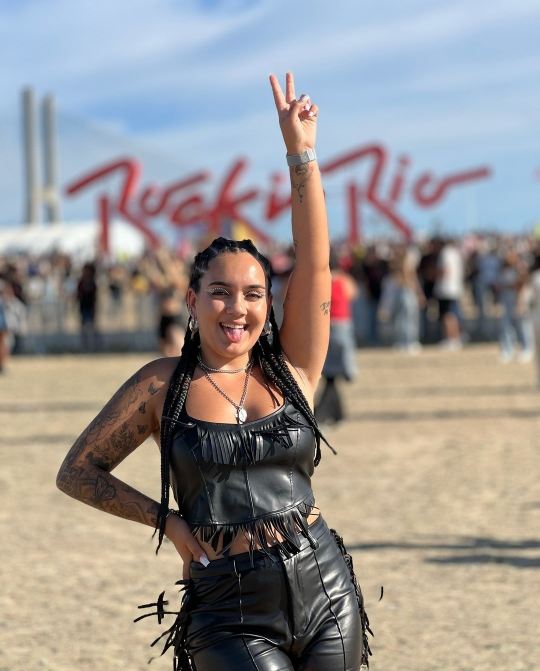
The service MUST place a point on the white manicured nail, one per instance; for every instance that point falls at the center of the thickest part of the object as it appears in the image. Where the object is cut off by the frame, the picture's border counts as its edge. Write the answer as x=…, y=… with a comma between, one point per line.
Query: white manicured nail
x=204, y=560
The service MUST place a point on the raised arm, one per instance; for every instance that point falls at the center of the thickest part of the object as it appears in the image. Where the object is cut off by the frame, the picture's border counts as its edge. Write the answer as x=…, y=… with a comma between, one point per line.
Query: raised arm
x=306, y=313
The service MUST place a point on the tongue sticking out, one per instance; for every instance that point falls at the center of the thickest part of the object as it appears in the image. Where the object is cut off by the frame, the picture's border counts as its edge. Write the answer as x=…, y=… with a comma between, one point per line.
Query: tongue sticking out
x=234, y=335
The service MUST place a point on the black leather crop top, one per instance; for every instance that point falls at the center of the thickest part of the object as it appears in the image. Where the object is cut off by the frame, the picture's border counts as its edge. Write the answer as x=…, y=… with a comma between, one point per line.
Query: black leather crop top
x=253, y=478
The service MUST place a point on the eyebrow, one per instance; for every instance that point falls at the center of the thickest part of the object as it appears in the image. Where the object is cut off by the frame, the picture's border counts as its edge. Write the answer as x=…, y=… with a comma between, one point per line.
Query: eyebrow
x=228, y=285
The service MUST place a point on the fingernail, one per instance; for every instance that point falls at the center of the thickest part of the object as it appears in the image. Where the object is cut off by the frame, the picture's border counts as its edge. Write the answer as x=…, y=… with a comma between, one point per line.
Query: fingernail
x=310, y=113
x=304, y=96
x=204, y=560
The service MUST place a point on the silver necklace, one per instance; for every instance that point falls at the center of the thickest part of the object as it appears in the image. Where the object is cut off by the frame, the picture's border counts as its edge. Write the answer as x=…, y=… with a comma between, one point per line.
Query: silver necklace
x=205, y=367
x=241, y=414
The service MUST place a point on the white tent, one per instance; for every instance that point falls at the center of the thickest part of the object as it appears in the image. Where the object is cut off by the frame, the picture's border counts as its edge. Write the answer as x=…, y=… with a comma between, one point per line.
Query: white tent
x=79, y=239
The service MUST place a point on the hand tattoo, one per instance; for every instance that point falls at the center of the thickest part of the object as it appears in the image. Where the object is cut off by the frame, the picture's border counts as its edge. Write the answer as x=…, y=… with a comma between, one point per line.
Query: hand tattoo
x=325, y=307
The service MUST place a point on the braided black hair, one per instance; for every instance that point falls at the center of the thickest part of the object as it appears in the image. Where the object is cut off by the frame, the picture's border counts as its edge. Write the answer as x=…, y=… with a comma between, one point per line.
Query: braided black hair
x=267, y=354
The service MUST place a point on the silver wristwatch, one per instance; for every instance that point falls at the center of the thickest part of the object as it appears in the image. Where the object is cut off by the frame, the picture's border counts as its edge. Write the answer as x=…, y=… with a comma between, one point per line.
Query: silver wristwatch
x=299, y=159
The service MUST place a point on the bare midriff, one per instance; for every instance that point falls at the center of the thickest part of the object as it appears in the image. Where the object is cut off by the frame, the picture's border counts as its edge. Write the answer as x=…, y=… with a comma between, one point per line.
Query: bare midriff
x=242, y=543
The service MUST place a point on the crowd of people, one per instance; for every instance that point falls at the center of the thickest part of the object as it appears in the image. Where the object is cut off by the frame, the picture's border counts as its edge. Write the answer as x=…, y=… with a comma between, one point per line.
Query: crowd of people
x=450, y=291
x=441, y=290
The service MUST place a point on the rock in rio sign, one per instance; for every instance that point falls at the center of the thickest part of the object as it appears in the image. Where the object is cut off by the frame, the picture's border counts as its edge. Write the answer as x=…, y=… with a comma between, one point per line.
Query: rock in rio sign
x=185, y=203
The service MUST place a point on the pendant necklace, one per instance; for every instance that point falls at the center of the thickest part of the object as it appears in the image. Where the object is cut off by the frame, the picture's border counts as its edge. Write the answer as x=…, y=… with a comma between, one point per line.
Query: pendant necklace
x=241, y=414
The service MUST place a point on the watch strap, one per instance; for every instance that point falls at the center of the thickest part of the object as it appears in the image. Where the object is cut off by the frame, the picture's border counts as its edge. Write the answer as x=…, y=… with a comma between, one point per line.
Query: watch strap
x=298, y=159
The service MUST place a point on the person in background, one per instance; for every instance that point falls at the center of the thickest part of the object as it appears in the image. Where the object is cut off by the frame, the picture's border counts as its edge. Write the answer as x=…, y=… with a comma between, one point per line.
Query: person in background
x=427, y=275
x=168, y=278
x=373, y=269
x=87, y=299
x=341, y=358
x=13, y=322
x=4, y=329
x=448, y=290
x=514, y=295
x=401, y=300
x=140, y=286
x=487, y=268
x=535, y=310
x=116, y=276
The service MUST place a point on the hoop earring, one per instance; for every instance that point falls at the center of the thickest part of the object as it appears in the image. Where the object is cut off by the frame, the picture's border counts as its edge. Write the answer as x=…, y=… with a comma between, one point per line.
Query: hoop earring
x=267, y=328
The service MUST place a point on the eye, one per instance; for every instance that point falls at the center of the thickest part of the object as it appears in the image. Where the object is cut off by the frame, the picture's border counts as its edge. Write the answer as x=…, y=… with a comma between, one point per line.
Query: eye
x=254, y=295
x=218, y=291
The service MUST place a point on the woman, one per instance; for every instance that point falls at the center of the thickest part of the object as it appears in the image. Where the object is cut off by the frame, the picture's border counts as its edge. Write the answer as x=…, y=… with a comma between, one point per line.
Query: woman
x=267, y=585
x=514, y=296
x=402, y=299
x=87, y=293
x=168, y=279
x=535, y=310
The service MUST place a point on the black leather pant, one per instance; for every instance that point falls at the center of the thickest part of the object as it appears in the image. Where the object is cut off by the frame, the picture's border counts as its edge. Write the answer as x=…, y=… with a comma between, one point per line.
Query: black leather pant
x=282, y=613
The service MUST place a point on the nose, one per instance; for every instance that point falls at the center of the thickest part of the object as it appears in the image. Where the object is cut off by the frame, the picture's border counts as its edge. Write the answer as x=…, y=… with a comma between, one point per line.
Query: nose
x=237, y=305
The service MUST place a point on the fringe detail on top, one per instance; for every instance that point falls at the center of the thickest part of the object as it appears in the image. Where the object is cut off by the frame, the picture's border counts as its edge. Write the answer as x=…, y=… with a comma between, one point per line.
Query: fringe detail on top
x=366, y=650
x=244, y=444
x=282, y=528
x=176, y=633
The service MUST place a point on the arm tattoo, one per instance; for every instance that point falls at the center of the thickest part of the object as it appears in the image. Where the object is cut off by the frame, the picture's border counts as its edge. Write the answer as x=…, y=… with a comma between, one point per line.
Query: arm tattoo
x=85, y=473
x=325, y=307
x=103, y=491
x=300, y=175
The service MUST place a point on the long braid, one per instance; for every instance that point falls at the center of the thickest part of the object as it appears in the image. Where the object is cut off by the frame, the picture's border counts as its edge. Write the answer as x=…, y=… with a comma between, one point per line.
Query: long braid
x=274, y=366
x=174, y=402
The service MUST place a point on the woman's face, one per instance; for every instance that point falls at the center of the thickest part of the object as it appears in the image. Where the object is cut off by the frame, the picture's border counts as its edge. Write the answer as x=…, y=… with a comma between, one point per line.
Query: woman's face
x=231, y=305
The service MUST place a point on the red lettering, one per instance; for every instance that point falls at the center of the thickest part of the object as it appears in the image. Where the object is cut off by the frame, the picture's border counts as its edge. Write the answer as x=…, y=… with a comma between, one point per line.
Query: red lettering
x=227, y=205
x=426, y=197
x=190, y=211
x=398, y=183
x=184, y=204
x=378, y=153
x=132, y=171
x=276, y=204
x=163, y=196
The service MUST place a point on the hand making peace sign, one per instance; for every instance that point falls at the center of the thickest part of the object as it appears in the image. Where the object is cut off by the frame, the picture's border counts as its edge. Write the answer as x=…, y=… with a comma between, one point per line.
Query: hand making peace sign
x=297, y=118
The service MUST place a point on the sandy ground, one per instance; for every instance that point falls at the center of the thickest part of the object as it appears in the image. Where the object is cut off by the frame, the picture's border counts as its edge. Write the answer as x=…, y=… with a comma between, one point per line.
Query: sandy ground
x=435, y=489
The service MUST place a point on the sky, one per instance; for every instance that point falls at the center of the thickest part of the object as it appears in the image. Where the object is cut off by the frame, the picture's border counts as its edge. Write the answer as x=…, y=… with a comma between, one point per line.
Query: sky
x=183, y=86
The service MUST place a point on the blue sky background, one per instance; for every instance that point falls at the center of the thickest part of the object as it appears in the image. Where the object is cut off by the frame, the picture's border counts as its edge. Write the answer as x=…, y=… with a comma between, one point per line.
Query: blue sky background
x=184, y=85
